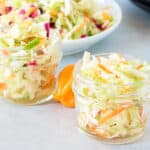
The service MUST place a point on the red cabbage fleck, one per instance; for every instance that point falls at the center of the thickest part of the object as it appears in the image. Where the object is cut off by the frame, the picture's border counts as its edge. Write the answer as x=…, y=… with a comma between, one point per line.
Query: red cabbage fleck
x=52, y=25
x=60, y=31
x=100, y=26
x=8, y=9
x=33, y=14
x=83, y=36
x=22, y=12
x=32, y=63
x=47, y=28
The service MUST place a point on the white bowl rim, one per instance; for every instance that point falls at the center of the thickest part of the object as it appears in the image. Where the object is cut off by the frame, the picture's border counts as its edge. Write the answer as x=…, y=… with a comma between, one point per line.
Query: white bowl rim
x=114, y=26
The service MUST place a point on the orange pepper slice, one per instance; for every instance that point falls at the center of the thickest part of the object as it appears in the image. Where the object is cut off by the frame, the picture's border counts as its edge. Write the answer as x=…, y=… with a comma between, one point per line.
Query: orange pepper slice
x=64, y=93
x=68, y=99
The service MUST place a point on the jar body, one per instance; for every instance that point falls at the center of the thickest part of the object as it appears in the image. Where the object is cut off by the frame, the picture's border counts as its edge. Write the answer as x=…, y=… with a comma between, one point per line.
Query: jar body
x=102, y=113
x=29, y=55
x=114, y=123
x=31, y=80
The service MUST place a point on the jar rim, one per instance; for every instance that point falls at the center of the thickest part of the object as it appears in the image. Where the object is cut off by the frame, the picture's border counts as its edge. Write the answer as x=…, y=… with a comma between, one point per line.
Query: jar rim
x=133, y=95
x=23, y=56
x=91, y=99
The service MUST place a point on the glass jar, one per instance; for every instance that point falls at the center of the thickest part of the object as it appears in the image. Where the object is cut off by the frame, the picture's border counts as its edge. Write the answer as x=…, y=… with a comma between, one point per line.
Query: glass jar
x=29, y=78
x=117, y=119
x=30, y=52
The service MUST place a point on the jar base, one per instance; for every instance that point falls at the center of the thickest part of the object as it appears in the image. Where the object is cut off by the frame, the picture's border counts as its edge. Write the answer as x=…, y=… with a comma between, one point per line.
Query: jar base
x=119, y=141
x=42, y=97
x=29, y=103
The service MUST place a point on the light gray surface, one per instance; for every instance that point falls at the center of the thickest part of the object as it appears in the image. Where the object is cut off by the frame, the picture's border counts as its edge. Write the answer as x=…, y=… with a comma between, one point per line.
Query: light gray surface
x=53, y=127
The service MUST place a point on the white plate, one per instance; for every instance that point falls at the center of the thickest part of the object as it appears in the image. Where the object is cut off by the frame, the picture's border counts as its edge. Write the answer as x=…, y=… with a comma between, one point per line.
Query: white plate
x=75, y=46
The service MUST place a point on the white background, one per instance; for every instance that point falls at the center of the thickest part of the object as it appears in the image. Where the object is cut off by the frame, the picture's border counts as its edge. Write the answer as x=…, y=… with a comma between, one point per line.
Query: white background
x=53, y=127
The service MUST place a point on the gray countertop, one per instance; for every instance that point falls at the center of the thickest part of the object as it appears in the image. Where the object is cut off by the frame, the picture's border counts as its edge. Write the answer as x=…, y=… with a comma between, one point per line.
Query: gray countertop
x=53, y=127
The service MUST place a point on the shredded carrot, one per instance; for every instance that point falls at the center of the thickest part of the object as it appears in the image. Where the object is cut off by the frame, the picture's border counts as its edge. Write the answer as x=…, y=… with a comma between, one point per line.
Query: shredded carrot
x=2, y=86
x=92, y=129
x=104, y=68
x=126, y=89
x=100, y=77
x=64, y=92
x=81, y=26
x=140, y=66
x=125, y=104
x=113, y=114
x=42, y=41
x=52, y=79
x=125, y=62
x=106, y=15
x=110, y=115
x=12, y=76
x=103, y=111
x=54, y=13
x=100, y=134
x=2, y=7
x=5, y=52
x=28, y=39
x=141, y=113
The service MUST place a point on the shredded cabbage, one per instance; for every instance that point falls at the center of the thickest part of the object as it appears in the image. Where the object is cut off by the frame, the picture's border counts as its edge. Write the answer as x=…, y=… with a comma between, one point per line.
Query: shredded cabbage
x=79, y=18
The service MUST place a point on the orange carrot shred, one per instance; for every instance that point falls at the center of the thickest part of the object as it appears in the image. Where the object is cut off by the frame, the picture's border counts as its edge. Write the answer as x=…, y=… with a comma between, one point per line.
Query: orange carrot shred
x=5, y=52
x=81, y=26
x=140, y=66
x=93, y=130
x=2, y=6
x=113, y=114
x=55, y=13
x=106, y=15
x=104, y=68
x=2, y=86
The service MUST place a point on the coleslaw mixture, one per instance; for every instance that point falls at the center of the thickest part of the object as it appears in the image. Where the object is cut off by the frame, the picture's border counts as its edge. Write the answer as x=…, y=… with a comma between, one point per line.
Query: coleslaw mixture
x=73, y=19
x=79, y=18
x=107, y=95
x=29, y=55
